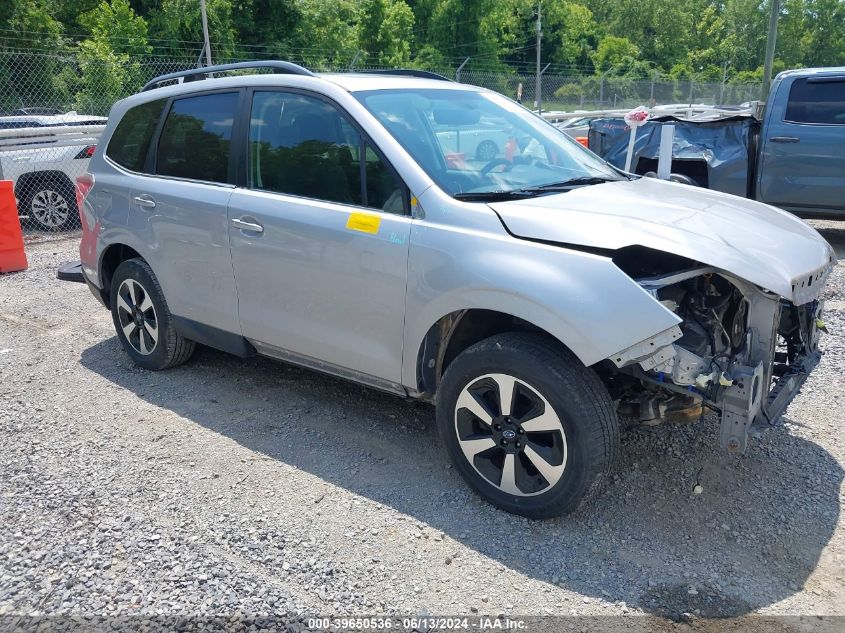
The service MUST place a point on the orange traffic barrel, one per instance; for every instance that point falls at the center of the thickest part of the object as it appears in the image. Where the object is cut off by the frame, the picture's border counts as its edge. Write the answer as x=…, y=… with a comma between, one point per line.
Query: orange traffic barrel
x=12, y=256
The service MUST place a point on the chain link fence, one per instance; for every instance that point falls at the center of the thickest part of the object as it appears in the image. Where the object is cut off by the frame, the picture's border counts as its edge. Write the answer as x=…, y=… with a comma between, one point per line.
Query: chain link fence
x=53, y=108
x=559, y=92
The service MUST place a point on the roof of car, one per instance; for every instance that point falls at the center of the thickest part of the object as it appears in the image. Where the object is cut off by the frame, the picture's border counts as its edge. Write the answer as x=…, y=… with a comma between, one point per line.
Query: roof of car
x=809, y=72
x=357, y=82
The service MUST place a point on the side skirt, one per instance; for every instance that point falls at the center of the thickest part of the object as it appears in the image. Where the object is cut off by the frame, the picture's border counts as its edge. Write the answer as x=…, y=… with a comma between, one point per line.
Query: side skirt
x=328, y=368
x=213, y=337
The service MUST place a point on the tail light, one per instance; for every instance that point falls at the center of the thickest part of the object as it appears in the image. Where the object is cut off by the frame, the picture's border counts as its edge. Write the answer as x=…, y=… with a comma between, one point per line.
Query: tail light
x=84, y=183
x=584, y=141
x=86, y=152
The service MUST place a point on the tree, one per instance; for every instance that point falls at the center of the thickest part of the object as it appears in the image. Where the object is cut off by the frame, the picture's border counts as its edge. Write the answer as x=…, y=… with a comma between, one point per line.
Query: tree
x=570, y=32
x=613, y=52
x=177, y=28
x=109, y=59
x=328, y=32
x=385, y=31
x=27, y=77
x=268, y=25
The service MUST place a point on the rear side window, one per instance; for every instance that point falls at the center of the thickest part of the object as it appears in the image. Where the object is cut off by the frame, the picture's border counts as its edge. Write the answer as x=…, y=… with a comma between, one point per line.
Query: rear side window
x=821, y=102
x=131, y=138
x=196, y=138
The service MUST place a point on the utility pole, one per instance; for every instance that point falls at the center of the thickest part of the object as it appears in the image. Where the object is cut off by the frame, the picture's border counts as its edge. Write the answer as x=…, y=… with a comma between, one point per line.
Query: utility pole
x=207, y=43
x=771, y=41
x=538, y=81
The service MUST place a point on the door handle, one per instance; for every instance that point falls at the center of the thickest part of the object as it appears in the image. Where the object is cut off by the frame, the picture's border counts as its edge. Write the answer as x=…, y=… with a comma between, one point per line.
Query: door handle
x=784, y=139
x=145, y=202
x=243, y=225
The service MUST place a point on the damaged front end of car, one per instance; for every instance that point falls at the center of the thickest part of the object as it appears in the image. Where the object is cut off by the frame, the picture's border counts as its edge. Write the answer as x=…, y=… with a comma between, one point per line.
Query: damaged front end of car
x=739, y=349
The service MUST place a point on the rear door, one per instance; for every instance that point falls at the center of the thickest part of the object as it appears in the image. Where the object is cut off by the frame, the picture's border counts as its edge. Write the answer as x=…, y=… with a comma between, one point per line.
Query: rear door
x=802, y=162
x=177, y=208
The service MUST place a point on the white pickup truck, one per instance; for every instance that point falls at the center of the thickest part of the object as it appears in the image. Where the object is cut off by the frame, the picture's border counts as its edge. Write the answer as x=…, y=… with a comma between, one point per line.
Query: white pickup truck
x=43, y=155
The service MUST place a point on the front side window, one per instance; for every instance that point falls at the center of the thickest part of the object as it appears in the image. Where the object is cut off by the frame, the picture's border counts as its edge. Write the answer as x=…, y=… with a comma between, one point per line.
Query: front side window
x=303, y=146
x=196, y=137
x=131, y=138
x=475, y=143
x=820, y=101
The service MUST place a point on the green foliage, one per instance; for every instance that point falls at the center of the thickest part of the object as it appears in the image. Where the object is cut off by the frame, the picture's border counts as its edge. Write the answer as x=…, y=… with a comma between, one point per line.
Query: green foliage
x=178, y=24
x=385, y=31
x=613, y=52
x=625, y=42
x=108, y=60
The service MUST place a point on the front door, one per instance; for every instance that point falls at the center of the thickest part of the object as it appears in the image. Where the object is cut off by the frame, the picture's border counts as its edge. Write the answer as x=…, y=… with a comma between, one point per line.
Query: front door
x=319, y=240
x=802, y=163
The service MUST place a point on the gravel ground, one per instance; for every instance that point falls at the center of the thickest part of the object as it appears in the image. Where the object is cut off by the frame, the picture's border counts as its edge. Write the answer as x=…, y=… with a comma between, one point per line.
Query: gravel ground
x=230, y=486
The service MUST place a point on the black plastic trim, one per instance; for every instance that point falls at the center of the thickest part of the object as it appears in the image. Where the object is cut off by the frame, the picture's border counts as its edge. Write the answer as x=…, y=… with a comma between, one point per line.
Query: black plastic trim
x=408, y=72
x=71, y=271
x=278, y=68
x=213, y=337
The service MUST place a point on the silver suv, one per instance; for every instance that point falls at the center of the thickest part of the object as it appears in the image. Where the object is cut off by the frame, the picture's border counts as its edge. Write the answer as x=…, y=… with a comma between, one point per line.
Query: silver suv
x=532, y=295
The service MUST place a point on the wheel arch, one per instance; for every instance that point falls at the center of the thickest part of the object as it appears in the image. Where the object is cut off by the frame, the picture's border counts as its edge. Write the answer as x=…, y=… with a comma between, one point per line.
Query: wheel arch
x=458, y=330
x=26, y=182
x=112, y=257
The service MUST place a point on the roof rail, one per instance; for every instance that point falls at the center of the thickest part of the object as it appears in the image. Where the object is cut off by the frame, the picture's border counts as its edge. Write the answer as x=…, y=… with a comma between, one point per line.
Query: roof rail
x=408, y=72
x=278, y=67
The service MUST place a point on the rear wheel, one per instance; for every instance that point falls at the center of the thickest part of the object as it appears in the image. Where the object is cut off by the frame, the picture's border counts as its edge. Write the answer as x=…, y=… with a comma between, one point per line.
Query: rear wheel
x=51, y=205
x=529, y=427
x=142, y=319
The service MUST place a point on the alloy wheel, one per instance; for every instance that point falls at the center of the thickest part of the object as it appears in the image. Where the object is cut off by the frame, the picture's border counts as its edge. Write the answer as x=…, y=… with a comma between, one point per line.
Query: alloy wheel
x=137, y=316
x=510, y=434
x=50, y=208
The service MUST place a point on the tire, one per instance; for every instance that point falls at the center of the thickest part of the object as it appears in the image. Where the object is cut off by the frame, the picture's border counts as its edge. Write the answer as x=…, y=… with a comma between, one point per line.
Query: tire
x=142, y=319
x=50, y=204
x=486, y=150
x=684, y=179
x=562, y=419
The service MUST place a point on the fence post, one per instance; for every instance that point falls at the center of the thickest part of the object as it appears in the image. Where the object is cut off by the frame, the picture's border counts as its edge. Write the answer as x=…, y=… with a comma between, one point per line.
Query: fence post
x=458, y=72
x=354, y=60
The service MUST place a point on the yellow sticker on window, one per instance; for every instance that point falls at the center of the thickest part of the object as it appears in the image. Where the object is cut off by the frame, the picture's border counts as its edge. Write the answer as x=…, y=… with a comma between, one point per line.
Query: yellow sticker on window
x=363, y=222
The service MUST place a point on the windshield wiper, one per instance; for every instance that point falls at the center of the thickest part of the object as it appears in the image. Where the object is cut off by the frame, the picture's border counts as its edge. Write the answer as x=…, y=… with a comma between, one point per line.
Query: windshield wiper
x=492, y=196
x=530, y=192
x=569, y=184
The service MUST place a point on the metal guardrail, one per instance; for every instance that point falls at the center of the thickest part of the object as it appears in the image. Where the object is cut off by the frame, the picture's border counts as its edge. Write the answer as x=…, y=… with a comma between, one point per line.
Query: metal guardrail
x=49, y=136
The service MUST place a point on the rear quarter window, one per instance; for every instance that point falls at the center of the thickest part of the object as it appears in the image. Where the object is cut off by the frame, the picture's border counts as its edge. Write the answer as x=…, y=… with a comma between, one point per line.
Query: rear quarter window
x=131, y=138
x=819, y=101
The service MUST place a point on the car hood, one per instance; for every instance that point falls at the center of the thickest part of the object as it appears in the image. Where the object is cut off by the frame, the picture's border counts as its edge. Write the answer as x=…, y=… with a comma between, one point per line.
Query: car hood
x=763, y=245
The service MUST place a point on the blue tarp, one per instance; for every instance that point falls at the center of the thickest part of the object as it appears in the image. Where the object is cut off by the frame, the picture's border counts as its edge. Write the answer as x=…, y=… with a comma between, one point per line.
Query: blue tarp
x=714, y=153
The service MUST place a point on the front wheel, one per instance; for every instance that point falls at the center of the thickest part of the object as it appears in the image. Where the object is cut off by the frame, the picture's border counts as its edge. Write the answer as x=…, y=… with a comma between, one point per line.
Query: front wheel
x=529, y=427
x=142, y=319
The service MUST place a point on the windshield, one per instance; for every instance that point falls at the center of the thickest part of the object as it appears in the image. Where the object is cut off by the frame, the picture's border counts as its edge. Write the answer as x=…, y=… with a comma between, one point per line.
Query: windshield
x=482, y=143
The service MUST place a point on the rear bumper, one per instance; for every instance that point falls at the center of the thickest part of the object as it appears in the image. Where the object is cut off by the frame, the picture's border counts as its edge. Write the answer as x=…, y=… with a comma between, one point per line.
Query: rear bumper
x=75, y=272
